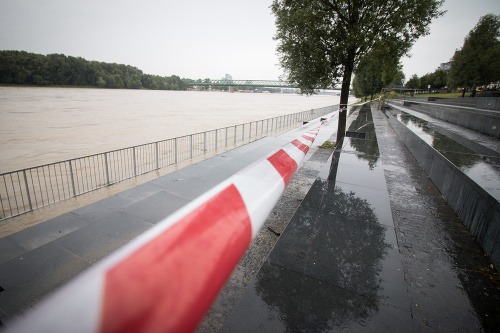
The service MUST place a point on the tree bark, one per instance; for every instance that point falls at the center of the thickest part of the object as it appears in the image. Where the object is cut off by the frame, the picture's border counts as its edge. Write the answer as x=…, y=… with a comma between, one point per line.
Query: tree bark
x=473, y=94
x=344, y=94
x=463, y=93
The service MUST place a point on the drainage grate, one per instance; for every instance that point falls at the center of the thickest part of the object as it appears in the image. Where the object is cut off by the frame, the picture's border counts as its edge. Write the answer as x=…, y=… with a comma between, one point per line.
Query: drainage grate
x=356, y=135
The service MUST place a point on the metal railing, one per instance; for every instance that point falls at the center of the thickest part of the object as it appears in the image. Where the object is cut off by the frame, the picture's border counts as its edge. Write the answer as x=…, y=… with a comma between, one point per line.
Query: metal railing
x=25, y=190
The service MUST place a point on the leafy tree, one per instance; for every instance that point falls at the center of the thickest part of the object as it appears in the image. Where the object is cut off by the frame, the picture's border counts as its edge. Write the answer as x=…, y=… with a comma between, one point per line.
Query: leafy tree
x=477, y=62
x=321, y=41
x=19, y=67
x=439, y=80
x=392, y=74
x=377, y=70
x=436, y=79
x=368, y=78
x=413, y=82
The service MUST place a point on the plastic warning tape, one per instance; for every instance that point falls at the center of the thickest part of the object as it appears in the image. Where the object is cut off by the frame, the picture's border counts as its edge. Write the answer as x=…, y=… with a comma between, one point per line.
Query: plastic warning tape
x=166, y=279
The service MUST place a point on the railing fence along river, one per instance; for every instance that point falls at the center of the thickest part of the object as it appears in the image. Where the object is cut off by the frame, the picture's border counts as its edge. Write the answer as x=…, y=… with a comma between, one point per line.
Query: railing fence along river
x=28, y=189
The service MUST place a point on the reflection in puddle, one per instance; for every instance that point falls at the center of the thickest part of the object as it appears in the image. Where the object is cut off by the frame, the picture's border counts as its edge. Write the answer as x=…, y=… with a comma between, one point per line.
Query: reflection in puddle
x=368, y=147
x=327, y=270
x=339, y=282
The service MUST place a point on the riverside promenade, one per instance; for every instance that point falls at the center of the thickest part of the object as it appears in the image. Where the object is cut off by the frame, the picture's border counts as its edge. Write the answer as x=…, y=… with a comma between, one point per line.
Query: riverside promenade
x=39, y=259
x=361, y=240
x=373, y=247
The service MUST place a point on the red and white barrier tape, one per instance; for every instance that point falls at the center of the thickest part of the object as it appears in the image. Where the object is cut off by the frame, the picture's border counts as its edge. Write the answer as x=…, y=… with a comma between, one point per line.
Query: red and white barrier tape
x=166, y=279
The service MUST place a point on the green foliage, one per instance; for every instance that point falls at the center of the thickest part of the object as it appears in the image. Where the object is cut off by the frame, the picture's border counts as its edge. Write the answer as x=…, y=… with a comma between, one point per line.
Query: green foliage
x=328, y=145
x=19, y=67
x=368, y=78
x=443, y=95
x=436, y=79
x=476, y=63
x=322, y=41
x=413, y=82
x=390, y=95
x=379, y=68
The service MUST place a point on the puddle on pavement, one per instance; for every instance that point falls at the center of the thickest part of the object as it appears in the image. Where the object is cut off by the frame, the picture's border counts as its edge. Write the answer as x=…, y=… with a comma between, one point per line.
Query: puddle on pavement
x=480, y=168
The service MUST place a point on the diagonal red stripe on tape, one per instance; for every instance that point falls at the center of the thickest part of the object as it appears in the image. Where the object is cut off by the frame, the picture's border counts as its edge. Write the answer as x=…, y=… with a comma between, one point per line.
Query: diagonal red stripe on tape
x=284, y=164
x=301, y=146
x=169, y=283
x=307, y=137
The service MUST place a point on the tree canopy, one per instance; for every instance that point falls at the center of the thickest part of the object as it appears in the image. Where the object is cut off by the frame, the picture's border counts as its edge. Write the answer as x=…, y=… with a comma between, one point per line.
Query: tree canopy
x=20, y=67
x=476, y=63
x=322, y=41
x=436, y=79
x=377, y=69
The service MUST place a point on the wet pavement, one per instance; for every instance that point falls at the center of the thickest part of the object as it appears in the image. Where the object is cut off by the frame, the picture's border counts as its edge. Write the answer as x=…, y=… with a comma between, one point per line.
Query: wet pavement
x=373, y=247
x=281, y=214
x=465, y=172
x=481, y=164
x=478, y=114
x=37, y=260
x=361, y=240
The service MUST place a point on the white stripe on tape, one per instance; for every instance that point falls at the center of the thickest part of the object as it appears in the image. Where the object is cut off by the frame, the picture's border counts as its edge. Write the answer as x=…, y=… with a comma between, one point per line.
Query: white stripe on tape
x=260, y=187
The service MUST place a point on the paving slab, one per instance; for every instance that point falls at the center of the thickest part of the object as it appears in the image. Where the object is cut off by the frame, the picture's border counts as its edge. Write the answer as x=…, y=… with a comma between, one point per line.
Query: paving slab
x=41, y=234
x=336, y=266
x=32, y=275
x=451, y=285
x=378, y=253
x=9, y=249
x=273, y=227
x=94, y=241
x=35, y=261
x=156, y=207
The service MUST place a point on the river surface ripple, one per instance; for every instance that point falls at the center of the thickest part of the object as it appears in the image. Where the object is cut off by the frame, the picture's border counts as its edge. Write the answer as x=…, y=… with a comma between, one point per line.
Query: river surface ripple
x=45, y=125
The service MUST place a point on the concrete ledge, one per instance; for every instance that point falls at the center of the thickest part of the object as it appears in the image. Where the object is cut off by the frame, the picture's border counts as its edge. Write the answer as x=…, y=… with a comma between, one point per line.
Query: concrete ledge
x=489, y=103
x=484, y=103
x=478, y=210
x=483, y=121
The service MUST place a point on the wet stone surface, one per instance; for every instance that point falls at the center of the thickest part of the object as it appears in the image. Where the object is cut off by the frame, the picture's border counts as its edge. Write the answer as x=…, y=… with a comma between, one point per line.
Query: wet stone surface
x=379, y=253
x=336, y=266
x=272, y=230
x=450, y=282
x=482, y=167
x=39, y=259
x=274, y=226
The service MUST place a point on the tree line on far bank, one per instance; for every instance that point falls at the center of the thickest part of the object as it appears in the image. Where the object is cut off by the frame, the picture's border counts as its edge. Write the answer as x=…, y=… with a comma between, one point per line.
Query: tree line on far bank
x=473, y=65
x=24, y=68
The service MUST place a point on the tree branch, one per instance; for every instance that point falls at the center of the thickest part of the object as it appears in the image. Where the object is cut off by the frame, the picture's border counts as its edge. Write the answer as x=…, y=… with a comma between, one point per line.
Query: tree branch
x=334, y=6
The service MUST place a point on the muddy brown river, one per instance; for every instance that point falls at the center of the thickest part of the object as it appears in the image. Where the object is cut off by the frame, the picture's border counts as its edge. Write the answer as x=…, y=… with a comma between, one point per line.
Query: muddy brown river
x=45, y=125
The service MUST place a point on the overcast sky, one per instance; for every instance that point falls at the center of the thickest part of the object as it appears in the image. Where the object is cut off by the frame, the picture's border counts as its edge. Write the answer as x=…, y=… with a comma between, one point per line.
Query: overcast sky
x=193, y=38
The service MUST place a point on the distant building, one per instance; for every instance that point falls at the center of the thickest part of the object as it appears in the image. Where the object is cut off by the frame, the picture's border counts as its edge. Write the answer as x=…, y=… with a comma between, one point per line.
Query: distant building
x=445, y=66
x=227, y=77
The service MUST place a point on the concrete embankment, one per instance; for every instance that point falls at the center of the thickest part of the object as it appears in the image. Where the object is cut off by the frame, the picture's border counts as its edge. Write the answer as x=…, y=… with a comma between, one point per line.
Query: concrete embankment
x=468, y=179
x=480, y=114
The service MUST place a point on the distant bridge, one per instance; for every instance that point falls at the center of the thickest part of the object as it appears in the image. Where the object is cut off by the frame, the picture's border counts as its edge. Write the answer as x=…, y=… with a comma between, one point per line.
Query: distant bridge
x=246, y=83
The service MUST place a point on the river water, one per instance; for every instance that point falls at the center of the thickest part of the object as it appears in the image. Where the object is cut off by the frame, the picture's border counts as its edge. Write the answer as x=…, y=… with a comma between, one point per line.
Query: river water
x=45, y=125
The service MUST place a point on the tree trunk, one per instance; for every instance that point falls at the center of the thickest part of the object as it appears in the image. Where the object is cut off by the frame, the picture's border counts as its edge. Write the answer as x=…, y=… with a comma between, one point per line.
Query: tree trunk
x=473, y=94
x=344, y=94
x=463, y=93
